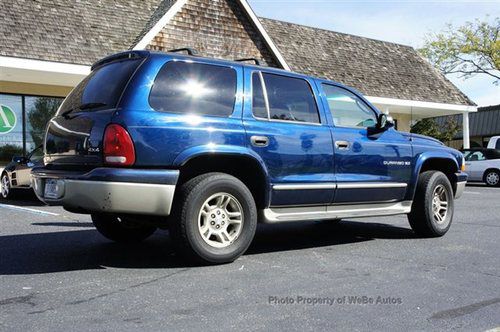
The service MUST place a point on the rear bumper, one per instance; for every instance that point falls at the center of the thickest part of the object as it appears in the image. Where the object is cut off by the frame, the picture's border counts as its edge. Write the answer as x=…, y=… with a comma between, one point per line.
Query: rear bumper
x=109, y=190
x=460, y=186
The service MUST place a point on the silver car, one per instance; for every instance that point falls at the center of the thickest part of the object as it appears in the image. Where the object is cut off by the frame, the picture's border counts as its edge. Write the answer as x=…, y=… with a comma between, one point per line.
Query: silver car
x=483, y=165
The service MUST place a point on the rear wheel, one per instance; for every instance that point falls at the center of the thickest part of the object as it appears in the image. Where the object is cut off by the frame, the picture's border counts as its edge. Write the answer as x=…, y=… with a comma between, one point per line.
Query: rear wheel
x=492, y=178
x=121, y=229
x=5, y=189
x=432, y=211
x=214, y=218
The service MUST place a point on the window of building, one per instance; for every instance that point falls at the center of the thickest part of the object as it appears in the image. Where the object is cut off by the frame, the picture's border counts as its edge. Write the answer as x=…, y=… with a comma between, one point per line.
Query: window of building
x=347, y=109
x=288, y=99
x=194, y=88
x=23, y=120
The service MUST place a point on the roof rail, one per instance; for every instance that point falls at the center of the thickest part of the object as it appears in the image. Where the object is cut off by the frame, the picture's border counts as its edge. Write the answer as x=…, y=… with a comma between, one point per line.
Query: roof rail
x=256, y=61
x=190, y=51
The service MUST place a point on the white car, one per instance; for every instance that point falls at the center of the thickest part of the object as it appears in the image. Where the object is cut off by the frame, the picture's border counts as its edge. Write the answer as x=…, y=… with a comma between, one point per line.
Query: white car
x=483, y=165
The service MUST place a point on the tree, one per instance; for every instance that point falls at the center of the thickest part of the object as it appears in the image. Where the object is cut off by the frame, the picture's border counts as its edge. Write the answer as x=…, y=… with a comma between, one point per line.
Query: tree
x=39, y=116
x=471, y=49
x=429, y=127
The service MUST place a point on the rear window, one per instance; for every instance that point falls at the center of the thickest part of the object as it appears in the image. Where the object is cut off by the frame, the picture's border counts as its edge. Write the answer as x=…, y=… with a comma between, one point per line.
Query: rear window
x=102, y=88
x=194, y=88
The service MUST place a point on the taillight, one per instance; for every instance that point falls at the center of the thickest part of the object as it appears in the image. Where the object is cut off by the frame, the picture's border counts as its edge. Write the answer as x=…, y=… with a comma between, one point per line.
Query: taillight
x=118, y=146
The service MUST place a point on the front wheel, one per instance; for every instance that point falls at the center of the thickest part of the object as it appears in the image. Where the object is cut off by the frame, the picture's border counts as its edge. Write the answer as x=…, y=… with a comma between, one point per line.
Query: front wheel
x=121, y=229
x=5, y=189
x=492, y=178
x=432, y=210
x=214, y=219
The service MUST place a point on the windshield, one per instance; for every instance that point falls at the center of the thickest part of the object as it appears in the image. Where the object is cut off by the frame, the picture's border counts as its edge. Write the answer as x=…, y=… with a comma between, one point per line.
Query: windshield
x=102, y=88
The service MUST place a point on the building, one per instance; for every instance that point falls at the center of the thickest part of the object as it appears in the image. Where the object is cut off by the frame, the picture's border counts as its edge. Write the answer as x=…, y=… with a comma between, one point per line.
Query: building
x=49, y=45
x=483, y=125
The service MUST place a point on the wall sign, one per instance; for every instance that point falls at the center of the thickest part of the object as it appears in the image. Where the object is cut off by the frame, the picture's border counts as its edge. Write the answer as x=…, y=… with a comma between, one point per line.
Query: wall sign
x=8, y=119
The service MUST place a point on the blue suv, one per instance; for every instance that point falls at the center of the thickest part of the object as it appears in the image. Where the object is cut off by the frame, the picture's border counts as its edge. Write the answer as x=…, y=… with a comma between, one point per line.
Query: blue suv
x=207, y=148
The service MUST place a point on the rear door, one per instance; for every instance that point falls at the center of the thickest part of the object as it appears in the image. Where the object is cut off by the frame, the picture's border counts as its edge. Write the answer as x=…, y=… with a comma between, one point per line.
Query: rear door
x=286, y=128
x=369, y=168
x=476, y=163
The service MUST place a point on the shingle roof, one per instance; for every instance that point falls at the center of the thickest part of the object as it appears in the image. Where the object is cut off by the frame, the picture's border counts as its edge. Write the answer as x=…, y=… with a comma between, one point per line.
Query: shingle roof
x=77, y=32
x=484, y=122
x=82, y=32
x=374, y=67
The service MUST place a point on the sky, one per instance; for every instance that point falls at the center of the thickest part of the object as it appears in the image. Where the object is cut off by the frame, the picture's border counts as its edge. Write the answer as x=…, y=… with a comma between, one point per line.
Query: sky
x=404, y=22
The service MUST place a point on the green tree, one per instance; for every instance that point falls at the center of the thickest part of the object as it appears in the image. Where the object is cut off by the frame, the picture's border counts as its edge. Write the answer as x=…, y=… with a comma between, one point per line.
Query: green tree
x=39, y=116
x=471, y=49
x=429, y=127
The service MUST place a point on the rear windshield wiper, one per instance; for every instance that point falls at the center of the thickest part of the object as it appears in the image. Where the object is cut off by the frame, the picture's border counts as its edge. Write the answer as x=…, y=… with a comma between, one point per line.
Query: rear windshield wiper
x=86, y=106
x=82, y=107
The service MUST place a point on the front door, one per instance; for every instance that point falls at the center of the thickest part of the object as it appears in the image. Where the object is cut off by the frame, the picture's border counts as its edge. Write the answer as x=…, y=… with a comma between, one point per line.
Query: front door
x=286, y=127
x=369, y=168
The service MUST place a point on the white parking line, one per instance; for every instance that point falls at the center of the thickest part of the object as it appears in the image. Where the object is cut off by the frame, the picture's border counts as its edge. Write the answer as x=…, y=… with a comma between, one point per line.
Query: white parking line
x=472, y=192
x=20, y=208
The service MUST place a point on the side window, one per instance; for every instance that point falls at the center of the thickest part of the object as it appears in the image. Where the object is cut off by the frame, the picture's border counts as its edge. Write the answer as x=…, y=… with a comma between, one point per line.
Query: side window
x=259, y=108
x=475, y=156
x=498, y=144
x=182, y=87
x=347, y=109
x=288, y=99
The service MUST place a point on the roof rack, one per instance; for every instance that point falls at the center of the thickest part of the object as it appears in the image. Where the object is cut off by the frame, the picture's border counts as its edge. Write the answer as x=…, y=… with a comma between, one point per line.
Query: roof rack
x=256, y=61
x=190, y=51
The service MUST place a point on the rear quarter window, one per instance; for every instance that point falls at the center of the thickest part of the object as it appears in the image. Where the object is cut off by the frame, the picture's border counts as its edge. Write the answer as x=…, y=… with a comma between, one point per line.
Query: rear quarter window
x=194, y=88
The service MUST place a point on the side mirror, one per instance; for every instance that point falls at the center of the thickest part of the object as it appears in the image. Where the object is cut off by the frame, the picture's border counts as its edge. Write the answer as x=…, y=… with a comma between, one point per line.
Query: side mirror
x=18, y=159
x=384, y=122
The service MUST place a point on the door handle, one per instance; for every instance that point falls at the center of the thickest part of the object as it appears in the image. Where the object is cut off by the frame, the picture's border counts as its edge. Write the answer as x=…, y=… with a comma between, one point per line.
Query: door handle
x=260, y=141
x=342, y=145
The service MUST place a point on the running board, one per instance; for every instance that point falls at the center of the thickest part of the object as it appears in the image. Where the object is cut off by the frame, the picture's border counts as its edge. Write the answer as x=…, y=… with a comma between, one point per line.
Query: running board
x=286, y=214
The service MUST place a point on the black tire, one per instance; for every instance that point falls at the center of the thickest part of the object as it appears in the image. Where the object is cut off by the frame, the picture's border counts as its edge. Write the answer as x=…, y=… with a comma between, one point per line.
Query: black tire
x=5, y=193
x=185, y=220
x=422, y=216
x=492, y=178
x=121, y=229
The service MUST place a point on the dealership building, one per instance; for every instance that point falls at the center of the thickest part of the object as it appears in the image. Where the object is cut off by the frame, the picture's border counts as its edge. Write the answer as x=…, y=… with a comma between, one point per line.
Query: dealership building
x=48, y=46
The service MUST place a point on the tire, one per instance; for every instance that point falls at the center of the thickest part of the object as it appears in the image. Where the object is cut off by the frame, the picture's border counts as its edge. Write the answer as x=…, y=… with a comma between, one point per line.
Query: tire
x=204, y=225
x=429, y=216
x=5, y=189
x=121, y=229
x=492, y=178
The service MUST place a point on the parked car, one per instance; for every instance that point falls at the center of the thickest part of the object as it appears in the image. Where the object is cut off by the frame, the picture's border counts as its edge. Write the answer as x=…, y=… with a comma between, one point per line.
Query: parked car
x=483, y=165
x=494, y=143
x=17, y=174
x=218, y=146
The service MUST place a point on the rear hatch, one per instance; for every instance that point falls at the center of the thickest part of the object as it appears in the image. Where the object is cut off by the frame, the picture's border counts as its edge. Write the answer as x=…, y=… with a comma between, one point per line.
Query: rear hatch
x=75, y=135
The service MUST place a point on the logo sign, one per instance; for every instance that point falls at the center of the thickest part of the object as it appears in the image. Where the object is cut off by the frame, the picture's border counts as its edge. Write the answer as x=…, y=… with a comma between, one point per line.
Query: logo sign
x=8, y=119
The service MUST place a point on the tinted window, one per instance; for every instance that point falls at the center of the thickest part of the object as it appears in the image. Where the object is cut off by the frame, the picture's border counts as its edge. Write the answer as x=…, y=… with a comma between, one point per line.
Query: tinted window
x=475, y=156
x=347, y=109
x=258, y=102
x=182, y=87
x=102, y=88
x=498, y=144
x=290, y=99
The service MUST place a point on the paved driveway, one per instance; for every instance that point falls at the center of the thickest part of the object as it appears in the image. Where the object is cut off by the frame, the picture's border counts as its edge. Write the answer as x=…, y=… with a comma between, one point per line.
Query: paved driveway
x=58, y=273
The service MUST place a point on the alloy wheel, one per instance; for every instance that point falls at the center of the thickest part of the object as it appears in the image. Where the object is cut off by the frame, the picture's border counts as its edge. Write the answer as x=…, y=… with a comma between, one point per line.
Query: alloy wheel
x=220, y=220
x=440, y=204
x=492, y=178
x=5, y=186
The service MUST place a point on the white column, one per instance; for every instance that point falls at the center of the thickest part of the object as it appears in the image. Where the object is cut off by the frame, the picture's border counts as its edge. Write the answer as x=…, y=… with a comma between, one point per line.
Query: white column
x=465, y=121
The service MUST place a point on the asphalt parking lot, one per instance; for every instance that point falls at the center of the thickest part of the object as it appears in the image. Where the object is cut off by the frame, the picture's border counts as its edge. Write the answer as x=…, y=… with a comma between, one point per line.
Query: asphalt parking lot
x=58, y=273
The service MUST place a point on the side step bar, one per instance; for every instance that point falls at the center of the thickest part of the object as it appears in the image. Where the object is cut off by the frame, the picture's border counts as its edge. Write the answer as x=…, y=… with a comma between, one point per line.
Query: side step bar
x=286, y=214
